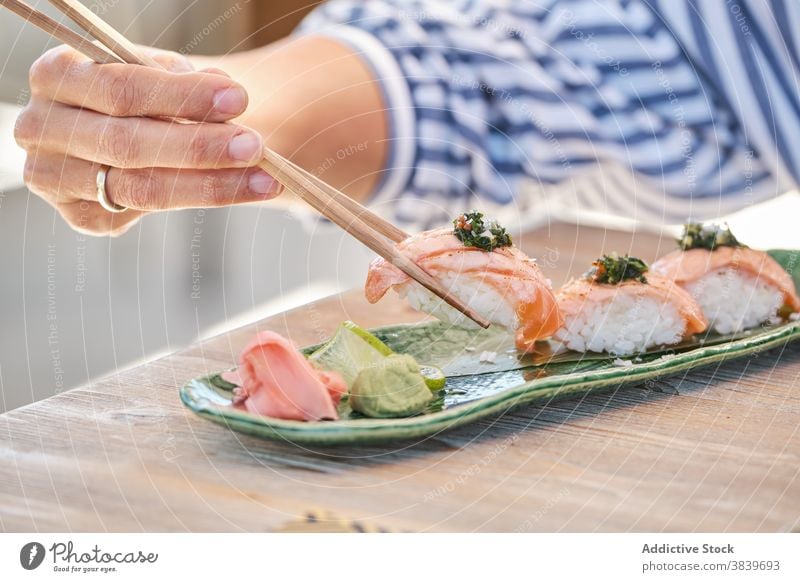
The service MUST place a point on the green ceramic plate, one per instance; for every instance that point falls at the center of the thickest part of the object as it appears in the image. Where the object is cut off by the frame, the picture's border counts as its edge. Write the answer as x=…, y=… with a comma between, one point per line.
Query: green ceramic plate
x=476, y=389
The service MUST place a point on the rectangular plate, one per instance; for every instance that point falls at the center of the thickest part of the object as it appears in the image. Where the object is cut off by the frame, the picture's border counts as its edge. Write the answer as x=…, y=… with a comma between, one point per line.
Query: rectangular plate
x=475, y=389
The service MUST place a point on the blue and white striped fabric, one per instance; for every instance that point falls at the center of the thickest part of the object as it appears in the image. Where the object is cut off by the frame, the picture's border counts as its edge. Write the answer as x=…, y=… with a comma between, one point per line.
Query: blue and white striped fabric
x=696, y=102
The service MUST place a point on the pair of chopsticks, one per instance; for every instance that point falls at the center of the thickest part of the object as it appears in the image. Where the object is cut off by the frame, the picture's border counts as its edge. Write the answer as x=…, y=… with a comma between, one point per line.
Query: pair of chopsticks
x=373, y=231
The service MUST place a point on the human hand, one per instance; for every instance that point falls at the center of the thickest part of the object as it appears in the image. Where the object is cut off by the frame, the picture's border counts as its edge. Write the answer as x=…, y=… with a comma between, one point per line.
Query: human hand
x=83, y=115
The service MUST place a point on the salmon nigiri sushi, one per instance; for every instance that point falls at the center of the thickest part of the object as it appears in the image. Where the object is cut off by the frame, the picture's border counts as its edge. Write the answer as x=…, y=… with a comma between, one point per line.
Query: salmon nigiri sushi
x=737, y=287
x=620, y=308
x=477, y=262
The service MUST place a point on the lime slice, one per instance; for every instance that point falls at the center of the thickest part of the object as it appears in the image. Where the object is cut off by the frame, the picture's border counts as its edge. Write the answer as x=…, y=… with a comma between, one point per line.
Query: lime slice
x=368, y=337
x=434, y=377
x=347, y=353
x=353, y=348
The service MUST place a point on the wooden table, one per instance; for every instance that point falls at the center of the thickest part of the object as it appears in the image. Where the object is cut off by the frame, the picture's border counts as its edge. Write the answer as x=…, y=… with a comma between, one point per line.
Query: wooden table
x=716, y=449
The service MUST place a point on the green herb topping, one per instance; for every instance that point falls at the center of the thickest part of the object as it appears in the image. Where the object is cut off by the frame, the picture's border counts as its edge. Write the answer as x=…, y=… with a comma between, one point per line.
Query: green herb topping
x=474, y=230
x=706, y=236
x=613, y=269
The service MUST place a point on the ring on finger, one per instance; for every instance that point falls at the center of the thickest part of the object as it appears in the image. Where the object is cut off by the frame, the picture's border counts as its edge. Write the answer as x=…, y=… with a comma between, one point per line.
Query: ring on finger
x=102, y=195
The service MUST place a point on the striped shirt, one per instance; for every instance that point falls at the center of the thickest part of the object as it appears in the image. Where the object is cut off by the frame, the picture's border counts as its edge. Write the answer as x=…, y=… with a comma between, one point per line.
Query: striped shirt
x=657, y=110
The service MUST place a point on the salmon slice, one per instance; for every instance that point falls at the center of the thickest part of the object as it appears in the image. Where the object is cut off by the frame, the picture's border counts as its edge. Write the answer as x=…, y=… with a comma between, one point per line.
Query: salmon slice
x=688, y=266
x=578, y=293
x=277, y=380
x=507, y=270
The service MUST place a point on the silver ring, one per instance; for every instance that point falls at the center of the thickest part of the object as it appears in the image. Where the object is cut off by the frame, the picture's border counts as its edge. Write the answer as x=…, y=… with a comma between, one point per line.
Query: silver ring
x=102, y=196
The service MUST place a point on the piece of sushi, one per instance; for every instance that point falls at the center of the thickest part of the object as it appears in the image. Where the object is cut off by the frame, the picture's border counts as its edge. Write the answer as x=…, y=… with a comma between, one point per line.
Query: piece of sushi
x=620, y=308
x=737, y=287
x=477, y=263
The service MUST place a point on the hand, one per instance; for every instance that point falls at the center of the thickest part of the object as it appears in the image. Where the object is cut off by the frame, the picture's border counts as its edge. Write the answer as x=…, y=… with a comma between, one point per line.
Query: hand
x=82, y=115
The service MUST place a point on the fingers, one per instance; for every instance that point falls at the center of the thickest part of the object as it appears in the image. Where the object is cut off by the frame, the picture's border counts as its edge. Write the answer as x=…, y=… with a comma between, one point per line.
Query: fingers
x=52, y=182
x=63, y=181
x=92, y=219
x=171, y=61
x=135, y=143
x=60, y=180
x=66, y=76
x=82, y=115
x=165, y=189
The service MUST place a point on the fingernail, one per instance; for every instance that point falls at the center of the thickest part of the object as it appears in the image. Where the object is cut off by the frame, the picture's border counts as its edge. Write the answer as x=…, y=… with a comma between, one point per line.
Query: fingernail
x=230, y=101
x=262, y=183
x=245, y=147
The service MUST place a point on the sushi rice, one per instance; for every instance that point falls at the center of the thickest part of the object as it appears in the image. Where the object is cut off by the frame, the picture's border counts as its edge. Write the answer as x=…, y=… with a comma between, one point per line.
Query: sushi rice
x=476, y=294
x=623, y=325
x=734, y=300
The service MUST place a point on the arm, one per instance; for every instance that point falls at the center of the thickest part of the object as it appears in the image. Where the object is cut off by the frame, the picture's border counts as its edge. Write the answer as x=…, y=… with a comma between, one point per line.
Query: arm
x=315, y=101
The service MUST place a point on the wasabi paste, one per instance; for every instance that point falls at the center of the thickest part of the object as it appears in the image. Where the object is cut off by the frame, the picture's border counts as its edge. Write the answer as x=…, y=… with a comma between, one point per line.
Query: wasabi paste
x=392, y=388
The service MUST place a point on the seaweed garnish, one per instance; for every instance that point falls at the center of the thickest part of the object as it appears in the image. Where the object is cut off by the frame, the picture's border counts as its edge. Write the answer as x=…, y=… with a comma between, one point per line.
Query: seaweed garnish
x=613, y=269
x=474, y=230
x=697, y=235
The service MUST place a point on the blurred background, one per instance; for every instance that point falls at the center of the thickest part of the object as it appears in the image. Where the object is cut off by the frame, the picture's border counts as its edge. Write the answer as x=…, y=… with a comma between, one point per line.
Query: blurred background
x=74, y=308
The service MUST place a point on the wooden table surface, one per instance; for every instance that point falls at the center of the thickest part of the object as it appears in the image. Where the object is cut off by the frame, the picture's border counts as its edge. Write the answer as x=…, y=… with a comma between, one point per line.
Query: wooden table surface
x=717, y=449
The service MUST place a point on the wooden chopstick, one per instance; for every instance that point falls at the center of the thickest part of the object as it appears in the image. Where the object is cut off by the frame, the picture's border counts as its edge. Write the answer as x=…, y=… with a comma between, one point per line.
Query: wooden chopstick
x=57, y=30
x=105, y=33
x=372, y=230
x=384, y=227
x=301, y=184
